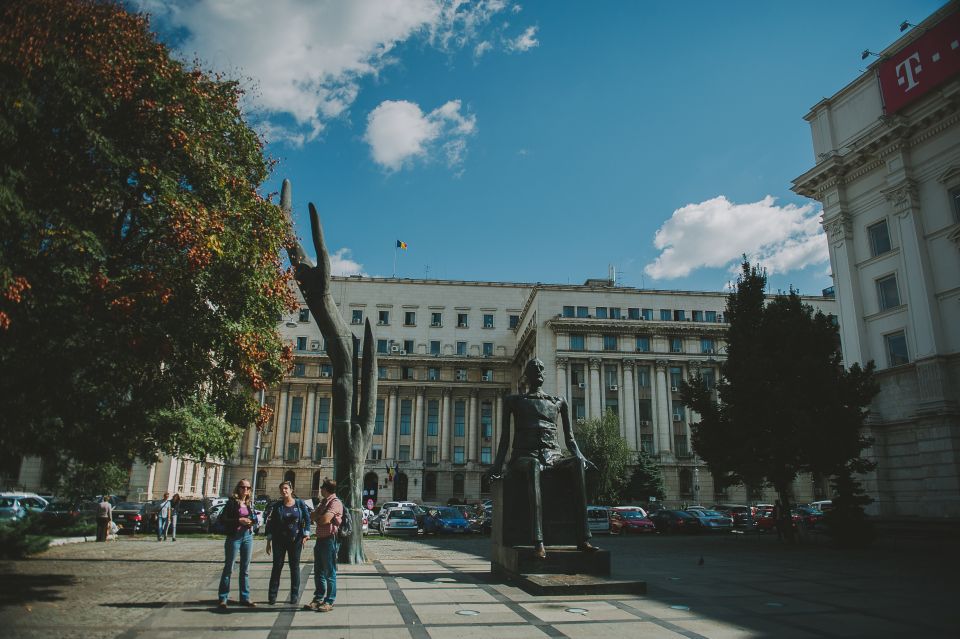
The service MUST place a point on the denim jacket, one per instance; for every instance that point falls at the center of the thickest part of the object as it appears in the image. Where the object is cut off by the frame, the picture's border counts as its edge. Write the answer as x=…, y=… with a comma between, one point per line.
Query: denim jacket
x=276, y=526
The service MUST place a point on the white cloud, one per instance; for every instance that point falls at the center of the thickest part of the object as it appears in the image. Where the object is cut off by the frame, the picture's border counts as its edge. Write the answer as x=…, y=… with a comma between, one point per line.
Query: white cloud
x=342, y=264
x=481, y=48
x=304, y=60
x=525, y=41
x=400, y=133
x=715, y=233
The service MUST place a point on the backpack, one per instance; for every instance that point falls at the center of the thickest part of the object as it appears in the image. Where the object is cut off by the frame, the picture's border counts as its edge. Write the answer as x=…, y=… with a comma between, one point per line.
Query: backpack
x=345, y=530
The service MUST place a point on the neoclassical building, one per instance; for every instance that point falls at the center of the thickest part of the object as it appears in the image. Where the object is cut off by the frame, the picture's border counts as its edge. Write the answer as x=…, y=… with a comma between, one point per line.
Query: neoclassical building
x=887, y=172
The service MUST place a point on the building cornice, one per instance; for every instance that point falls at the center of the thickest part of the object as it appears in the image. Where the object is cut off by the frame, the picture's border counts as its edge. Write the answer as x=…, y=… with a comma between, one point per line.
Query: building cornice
x=633, y=327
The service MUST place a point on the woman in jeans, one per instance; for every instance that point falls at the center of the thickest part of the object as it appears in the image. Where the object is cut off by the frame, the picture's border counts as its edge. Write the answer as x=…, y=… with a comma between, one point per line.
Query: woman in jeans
x=239, y=518
x=174, y=513
x=288, y=529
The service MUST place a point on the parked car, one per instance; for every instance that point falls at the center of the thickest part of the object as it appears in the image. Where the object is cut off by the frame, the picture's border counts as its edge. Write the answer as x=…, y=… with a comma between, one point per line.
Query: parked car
x=675, y=521
x=400, y=521
x=711, y=520
x=445, y=519
x=824, y=505
x=192, y=516
x=11, y=510
x=376, y=523
x=742, y=515
x=60, y=514
x=31, y=502
x=623, y=522
x=811, y=517
x=766, y=522
x=598, y=519
x=129, y=516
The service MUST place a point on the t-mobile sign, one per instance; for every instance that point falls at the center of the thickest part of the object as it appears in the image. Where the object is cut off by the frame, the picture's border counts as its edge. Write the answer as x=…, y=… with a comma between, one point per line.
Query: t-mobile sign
x=922, y=65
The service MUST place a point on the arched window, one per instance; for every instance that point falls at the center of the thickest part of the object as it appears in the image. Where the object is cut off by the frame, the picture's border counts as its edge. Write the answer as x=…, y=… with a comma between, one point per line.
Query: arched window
x=484, y=484
x=371, y=484
x=430, y=486
x=291, y=477
x=400, y=487
x=458, y=484
x=686, y=482
x=315, y=486
x=261, y=481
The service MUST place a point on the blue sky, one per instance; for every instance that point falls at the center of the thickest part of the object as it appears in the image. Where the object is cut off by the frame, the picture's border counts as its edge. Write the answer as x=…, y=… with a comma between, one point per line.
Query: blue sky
x=544, y=141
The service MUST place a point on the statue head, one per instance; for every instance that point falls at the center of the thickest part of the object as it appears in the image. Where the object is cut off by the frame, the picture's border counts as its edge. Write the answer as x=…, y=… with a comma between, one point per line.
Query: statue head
x=533, y=374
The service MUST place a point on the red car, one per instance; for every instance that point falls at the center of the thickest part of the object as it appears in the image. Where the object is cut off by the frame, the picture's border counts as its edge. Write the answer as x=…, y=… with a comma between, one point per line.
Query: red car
x=624, y=522
x=767, y=523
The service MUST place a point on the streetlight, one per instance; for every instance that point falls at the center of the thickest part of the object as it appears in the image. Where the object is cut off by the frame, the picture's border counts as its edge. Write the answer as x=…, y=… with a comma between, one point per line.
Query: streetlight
x=696, y=479
x=256, y=449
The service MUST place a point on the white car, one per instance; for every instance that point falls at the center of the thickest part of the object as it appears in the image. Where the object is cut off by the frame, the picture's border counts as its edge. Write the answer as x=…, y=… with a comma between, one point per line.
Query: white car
x=400, y=521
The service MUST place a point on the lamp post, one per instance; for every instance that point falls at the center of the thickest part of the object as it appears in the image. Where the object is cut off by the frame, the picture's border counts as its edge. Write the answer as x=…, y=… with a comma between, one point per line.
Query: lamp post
x=696, y=479
x=256, y=450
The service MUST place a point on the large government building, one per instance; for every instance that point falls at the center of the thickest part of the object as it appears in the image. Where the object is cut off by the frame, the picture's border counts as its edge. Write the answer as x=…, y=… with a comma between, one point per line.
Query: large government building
x=887, y=171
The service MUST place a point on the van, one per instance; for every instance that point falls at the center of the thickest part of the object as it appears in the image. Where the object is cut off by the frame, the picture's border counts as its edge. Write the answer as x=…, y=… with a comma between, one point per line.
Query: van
x=598, y=520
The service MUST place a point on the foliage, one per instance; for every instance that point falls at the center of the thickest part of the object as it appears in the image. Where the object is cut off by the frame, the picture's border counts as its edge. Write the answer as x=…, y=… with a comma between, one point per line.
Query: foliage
x=647, y=479
x=82, y=480
x=140, y=275
x=846, y=520
x=786, y=405
x=21, y=538
x=600, y=442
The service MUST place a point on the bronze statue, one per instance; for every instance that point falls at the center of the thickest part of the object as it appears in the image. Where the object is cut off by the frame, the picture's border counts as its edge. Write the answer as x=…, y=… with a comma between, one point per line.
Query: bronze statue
x=537, y=451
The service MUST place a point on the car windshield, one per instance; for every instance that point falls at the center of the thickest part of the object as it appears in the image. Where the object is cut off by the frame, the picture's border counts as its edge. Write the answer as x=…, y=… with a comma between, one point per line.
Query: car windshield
x=127, y=505
x=596, y=513
x=711, y=513
x=191, y=507
x=631, y=514
x=6, y=502
x=400, y=514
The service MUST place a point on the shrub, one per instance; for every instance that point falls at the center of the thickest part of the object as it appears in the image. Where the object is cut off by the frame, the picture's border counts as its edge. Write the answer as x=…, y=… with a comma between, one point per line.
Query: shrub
x=21, y=538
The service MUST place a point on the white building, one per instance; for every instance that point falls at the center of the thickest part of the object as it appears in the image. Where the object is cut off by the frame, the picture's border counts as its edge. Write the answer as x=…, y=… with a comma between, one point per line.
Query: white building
x=887, y=172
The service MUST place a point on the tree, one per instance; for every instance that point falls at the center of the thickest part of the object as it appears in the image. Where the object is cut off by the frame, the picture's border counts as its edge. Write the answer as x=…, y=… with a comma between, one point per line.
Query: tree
x=88, y=480
x=786, y=404
x=647, y=479
x=140, y=275
x=354, y=396
x=600, y=441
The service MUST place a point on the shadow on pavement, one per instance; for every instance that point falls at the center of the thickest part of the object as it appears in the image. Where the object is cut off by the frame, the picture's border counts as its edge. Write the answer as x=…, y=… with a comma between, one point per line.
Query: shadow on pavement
x=16, y=590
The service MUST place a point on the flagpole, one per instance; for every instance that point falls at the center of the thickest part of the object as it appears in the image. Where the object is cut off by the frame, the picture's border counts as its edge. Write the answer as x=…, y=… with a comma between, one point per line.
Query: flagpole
x=395, y=260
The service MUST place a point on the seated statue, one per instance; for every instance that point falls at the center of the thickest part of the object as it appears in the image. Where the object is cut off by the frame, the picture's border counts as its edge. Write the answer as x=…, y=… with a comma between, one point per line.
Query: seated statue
x=537, y=452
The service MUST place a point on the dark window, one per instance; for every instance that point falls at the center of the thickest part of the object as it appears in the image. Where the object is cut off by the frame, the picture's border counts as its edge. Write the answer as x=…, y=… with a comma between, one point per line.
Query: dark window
x=436, y=319
x=488, y=320
x=356, y=316
x=887, y=294
x=514, y=321
x=435, y=347
x=896, y=348
x=383, y=318
x=433, y=417
x=459, y=418
x=378, y=423
x=609, y=342
x=296, y=414
x=600, y=312
x=323, y=414
x=576, y=342
x=643, y=344
x=405, y=411
x=583, y=311
x=879, y=238
x=304, y=314
x=461, y=320
x=488, y=349
x=633, y=313
x=568, y=311
x=409, y=318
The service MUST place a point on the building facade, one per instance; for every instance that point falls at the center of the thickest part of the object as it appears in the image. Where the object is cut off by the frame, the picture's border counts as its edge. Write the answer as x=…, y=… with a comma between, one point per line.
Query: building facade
x=887, y=172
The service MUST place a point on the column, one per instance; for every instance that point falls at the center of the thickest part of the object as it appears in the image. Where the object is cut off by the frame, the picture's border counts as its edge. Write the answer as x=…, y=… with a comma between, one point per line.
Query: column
x=662, y=426
x=282, y=424
x=446, y=426
x=497, y=418
x=389, y=451
x=562, y=389
x=309, y=431
x=417, y=443
x=630, y=406
x=151, y=477
x=472, y=419
x=595, y=392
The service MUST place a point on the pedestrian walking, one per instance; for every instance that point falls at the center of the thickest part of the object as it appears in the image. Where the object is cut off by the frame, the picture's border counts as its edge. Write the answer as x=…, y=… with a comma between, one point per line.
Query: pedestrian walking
x=163, y=517
x=174, y=513
x=288, y=529
x=239, y=519
x=327, y=517
x=104, y=518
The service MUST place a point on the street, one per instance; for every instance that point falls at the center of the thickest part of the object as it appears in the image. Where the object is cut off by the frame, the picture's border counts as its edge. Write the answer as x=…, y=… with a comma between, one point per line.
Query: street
x=746, y=586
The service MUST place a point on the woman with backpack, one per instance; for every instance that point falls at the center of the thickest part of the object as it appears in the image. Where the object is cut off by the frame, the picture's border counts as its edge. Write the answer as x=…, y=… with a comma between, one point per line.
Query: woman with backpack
x=288, y=529
x=239, y=519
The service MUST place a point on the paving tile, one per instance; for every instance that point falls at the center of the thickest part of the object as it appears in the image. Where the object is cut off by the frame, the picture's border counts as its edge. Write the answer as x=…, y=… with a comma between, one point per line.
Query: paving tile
x=557, y=611
x=445, y=613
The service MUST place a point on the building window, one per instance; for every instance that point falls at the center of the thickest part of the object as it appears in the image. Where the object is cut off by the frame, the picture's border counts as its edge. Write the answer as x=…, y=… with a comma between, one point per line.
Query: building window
x=460, y=375
x=296, y=414
x=304, y=315
x=293, y=452
x=676, y=376
x=381, y=372
x=265, y=453
x=431, y=458
x=887, y=294
x=679, y=316
x=488, y=320
x=326, y=370
x=378, y=422
x=583, y=311
x=645, y=411
x=462, y=349
x=376, y=452
x=579, y=407
x=433, y=374
x=647, y=314
x=708, y=378
x=487, y=375
x=697, y=316
x=486, y=455
x=320, y=451
x=462, y=320
x=610, y=375
x=676, y=344
x=404, y=453
x=514, y=321
x=710, y=316
x=680, y=445
x=486, y=420
x=643, y=344
x=406, y=372
x=600, y=312
x=356, y=316
x=666, y=314
x=633, y=313
x=879, y=237
x=436, y=319
x=410, y=318
x=458, y=455
x=643, y=376
x=406, y=408
x=430, y=485
x=609, y=342
x=382, y=346
x=433, y=417
x=955, y=202
x=896, y=348
x=434, y=347
x=408, y=346
x=646, y=443
x=614, y=313
x=301, y=343
x=568, y=311
x=576, y=374
x=488, y=349
x=458, y=481
x=678, y=412
x=459, y=417
x=299, y=370
x=576, y=342
x=707, y=345
x=383, y=318
x=323, y=414
x=686, y=481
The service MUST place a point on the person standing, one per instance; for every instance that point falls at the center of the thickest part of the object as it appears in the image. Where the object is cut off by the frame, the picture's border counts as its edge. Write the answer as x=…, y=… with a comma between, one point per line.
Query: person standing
x=104, y=517
x=239, y=519
x=327, y=517
x=174, y=513
x=288, y=529
x=163, y=517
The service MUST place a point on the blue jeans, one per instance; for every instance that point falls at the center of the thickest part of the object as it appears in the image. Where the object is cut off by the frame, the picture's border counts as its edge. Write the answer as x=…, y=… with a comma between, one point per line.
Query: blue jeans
x=325, y=569
x=161, y=527
x=289, y=549
x=235, y=543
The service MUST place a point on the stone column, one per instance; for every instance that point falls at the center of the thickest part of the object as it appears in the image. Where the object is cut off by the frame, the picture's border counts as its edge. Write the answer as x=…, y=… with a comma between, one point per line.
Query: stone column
x=629, y=405
x=393, y=425
x=283, y=424
x=472, y=430
x=595, y=390
x=416, y=446
x=446, y=426
x=562, y=389
x=309, y=424
x=497, y=417
x=663, y=425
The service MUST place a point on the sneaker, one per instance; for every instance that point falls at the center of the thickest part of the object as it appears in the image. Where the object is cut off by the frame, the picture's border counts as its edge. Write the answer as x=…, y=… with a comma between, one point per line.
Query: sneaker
x=325, y=607
x=248, y=604
x=314, y=605
x=271, y=601
x=222, y=605
x=294, y=599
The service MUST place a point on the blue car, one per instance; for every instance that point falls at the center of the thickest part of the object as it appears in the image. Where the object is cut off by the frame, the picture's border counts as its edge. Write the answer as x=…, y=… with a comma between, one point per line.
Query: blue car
x=445, y=520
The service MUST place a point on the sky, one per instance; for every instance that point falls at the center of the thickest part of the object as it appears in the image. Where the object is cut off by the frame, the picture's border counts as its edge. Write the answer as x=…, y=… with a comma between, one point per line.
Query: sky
x=544, y=141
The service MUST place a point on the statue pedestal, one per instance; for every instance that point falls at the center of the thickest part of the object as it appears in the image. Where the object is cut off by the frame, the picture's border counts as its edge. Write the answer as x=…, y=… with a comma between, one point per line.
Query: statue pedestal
x=561, y=560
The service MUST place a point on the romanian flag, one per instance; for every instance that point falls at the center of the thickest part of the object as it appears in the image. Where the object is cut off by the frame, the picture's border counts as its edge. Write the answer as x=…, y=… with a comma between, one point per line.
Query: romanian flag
x=401, y=245
x=389, y=473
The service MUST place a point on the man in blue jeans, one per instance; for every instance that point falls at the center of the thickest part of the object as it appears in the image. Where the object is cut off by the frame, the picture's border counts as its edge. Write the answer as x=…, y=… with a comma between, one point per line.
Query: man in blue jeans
x=163, y=517
x=327, y=517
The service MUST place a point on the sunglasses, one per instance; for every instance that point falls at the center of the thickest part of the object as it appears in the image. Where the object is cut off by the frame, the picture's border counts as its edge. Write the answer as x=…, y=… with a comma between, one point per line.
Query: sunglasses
x=246, y=487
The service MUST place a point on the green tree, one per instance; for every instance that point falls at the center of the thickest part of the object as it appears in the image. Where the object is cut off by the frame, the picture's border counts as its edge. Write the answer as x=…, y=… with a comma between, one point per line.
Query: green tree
x=787, y=405
x=88, y=480
x=647, y=479
x=600, y=442
x=140, y=273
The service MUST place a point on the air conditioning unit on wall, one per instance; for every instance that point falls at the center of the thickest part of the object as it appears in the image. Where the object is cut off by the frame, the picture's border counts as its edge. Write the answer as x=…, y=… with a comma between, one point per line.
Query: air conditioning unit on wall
x=614, y=388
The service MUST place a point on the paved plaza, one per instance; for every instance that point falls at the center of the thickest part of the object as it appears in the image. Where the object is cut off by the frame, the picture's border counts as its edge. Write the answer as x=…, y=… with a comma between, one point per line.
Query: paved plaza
x=746, y=586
